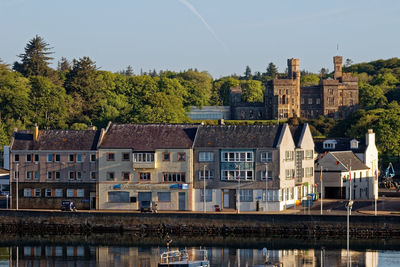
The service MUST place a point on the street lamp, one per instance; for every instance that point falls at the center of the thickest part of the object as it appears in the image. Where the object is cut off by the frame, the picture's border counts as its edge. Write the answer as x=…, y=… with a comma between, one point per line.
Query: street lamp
x=349, y=206
x=16, y=185
x=204, y=189
x=266, y=188
x=238, y=207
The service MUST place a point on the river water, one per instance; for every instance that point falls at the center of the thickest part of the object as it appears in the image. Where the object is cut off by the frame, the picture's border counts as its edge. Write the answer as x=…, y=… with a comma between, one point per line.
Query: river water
x=119, y=250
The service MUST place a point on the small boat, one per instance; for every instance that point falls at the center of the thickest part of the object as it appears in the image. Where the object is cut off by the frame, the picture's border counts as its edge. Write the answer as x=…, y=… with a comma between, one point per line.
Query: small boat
x=180, y=258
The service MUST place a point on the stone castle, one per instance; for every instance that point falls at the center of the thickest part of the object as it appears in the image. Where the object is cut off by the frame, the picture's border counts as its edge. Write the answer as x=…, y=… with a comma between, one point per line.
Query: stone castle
x=286, y=98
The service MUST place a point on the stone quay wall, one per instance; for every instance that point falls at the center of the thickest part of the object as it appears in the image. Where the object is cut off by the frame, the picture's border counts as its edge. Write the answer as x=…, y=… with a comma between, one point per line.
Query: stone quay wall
x=198, y=224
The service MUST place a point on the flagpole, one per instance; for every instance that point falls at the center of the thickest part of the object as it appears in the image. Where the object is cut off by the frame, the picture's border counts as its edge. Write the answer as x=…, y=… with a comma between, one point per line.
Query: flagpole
x=350, y=183
x=204, y=188
x=322, y=197
x=266, y=188
x=238, y=208
x=374, y=184
x=294, y=191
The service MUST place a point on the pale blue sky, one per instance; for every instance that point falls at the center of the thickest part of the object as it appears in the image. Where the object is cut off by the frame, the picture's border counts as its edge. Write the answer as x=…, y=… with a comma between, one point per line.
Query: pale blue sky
x=220, y=36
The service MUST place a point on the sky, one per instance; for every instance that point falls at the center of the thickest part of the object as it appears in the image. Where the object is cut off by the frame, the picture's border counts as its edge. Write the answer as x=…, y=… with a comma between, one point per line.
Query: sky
x=218, y=36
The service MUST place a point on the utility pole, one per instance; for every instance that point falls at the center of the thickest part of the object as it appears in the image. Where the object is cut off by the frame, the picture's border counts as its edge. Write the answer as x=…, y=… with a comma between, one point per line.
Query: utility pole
x=238, y=207
x=16, y=185
x=322, y=188
x=204, y=187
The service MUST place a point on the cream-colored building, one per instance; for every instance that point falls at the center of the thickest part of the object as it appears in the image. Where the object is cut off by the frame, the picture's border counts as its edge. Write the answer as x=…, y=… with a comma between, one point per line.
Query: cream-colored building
x=146, y=162
x=274, y=162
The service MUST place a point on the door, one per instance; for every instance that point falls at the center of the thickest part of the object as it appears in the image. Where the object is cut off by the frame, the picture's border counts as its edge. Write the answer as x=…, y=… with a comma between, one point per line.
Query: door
x=182, y=201
x=226, y=199
x=143, y=196
x=92, y=200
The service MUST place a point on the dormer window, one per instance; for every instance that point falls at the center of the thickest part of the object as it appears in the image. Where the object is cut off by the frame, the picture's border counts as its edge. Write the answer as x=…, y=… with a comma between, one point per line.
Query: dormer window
x=354, y=144
x=329, y=144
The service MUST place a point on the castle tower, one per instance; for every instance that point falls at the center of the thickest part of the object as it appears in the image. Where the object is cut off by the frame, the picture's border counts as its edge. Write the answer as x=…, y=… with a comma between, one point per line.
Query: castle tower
x=293, y=68
x=337, y=61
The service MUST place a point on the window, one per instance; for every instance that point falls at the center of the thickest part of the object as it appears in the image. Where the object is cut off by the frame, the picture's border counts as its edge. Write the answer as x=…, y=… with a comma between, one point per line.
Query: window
x=237, y=156
x=310, y=101
x=125, y=176
x=49, y=175
x=269, y=175
x=110, y=156
x=206, y=156
x=302, y=100
x=118, y=197
x=246, y=195
x=72, y=175
x=309, y=171
x=48, y=193
x=36, y=175
x=174, y=177
x=70, y=192
x=27, y=192
x=49, y=157
x=16, y=158
x=143, y=157
x=289, y=173
x=58, y=175
x=58, y=157
x=71, y=157
x=36, y=157
x=28, y=158
x=181, y=156
x=164, y=196
x=16, y=174
x=329, y=144
x=234, y=175
x=266, y=156
x=318, y=101
x=80, y=193
x=208, y=195
x=289, y=155
x=93, y=175
x=125, y=157
x=92, y=157
x=79, y=175
x=144, y=176
x=59, y=193
x=110, y=176
x=38, y=192
x=166, y=156
x=209, y=174
x=79, y=158
x=309, y=154
x=28, y=175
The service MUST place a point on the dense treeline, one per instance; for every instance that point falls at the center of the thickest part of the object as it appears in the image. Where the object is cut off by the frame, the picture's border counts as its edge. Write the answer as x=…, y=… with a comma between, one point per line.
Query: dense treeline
x=77, y=95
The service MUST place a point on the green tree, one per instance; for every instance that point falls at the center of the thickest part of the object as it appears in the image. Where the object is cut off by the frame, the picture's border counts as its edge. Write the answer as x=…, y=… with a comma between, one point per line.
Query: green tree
x=48, y=103
x=272, y=71
x=64, y=65
x=35, y=60
x=198, y=86
x=309, y=79
x=252, y=91
x=371, y=96
x=247, y=73
x=221, y=89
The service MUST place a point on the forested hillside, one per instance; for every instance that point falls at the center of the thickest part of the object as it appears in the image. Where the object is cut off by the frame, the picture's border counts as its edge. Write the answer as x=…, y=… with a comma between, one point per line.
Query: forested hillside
x=77, y=95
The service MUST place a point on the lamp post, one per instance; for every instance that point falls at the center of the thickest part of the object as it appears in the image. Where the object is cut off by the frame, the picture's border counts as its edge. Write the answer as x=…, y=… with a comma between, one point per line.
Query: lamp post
x=204, y=189
x=349, y=205
x=266, y=188
x=16, y=185
x=322, y=192
x=238, y=207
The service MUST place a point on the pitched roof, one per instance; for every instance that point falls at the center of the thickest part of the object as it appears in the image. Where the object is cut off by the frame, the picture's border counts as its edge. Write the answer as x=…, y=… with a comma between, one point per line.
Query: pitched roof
x=348, y=159
x=56, y=140
x=238, y=136
x=148, y=137
x=342, y=144
x=296, y=132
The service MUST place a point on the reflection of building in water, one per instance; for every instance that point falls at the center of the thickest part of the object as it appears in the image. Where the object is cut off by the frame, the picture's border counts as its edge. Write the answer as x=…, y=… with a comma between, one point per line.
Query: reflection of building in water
x=339, y=258
x=128, y=256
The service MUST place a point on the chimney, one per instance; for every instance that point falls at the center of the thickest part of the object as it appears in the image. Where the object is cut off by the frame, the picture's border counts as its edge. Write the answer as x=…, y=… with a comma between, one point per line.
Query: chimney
x=36, y=133
x=370, y=137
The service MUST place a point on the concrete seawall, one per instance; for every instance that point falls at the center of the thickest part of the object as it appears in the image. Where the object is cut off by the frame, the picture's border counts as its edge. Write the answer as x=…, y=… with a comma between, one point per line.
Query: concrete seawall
x=198, y=224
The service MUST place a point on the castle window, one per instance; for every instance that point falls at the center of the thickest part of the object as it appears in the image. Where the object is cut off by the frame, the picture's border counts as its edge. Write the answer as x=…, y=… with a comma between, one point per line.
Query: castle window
x=318, y=101
x=302, y=100
x=310, y=100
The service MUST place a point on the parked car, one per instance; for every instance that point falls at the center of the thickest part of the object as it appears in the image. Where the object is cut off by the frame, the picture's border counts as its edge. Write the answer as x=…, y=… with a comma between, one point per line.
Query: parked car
x=148, y=206
x=68, y=205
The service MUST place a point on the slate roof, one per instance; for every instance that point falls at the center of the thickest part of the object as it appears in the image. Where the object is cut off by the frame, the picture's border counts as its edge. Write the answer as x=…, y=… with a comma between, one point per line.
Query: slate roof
x=149, y=137
x=343, y=144
x=347, y=158
x=238, y=136
x=56, y=140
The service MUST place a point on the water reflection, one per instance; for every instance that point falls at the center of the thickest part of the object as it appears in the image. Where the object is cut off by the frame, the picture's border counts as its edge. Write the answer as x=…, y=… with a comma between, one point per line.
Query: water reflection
x=87, y=255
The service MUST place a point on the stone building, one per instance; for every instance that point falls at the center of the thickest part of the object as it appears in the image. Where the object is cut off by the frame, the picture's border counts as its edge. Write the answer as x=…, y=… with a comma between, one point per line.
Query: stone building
x=285, y=98
x=48, y=166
